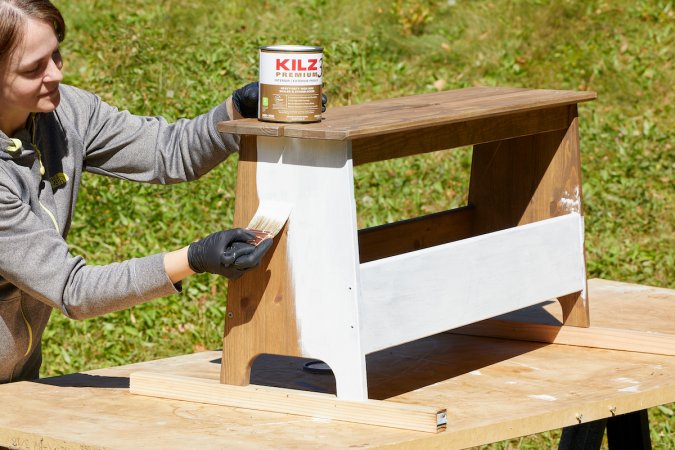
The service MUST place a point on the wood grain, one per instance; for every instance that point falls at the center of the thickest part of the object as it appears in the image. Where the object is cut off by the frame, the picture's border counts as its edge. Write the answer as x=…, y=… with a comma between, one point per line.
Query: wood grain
x=414, y=112
x=592, y=337
x=526, y=179
x=260, y=305
x=576, y=311
x=312, y=404
x=447, y=136
x=242, y=127
x=612, y=308
x=414, y=234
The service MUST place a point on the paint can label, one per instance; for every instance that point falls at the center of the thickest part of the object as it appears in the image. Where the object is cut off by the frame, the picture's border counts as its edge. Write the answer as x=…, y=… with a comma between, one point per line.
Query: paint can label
x=290, y=83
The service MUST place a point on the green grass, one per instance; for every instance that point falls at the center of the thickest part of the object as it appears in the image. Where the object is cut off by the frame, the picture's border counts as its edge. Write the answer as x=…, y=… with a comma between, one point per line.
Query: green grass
x=178, y=59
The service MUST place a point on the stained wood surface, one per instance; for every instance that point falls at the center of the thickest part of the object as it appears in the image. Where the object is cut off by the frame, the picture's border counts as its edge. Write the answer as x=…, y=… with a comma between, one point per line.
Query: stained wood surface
x=523, y=180
x=414, y=112
x=414, y=234
x=494, y=389
x=457, y=134
x=262, y=299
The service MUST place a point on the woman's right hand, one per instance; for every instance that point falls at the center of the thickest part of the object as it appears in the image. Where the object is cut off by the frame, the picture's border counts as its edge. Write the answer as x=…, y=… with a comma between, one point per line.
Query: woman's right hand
x=227, y=253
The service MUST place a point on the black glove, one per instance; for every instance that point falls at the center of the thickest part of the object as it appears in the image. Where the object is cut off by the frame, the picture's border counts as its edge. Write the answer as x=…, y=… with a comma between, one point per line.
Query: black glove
x=227, y=253
x=245, y=99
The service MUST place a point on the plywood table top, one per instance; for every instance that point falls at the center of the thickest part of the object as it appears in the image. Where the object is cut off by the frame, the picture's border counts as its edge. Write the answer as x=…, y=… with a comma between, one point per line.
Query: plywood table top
x=413, y=112
x=494, y=389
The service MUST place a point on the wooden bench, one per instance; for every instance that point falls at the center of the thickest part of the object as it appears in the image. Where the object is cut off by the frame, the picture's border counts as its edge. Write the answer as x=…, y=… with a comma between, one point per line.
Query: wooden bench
x=332, y=292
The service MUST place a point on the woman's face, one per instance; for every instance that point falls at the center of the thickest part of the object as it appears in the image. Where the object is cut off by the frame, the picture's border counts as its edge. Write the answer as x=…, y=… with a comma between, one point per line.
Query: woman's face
x=30, y=80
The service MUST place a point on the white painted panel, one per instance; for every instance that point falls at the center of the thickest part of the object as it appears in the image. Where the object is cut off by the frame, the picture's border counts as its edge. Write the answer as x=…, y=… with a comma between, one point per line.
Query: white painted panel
x=317, y=178
x=417, y=294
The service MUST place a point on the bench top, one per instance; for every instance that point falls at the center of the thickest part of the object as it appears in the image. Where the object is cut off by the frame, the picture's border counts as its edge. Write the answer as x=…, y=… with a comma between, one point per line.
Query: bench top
x=413, y=112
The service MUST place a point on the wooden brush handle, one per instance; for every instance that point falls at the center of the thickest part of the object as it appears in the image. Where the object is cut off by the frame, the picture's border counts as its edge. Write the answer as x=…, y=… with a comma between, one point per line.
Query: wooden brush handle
x=260, y=235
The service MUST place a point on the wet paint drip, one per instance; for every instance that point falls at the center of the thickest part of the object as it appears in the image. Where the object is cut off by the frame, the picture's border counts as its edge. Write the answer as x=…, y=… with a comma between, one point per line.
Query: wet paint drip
x=290, y=83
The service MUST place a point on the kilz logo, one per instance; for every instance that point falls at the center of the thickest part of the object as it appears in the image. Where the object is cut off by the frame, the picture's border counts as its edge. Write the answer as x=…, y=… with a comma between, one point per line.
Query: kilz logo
x=297, y=64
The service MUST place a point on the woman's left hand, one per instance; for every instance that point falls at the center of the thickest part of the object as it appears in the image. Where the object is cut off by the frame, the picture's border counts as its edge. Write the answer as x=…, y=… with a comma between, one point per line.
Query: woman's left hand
x=245, y=100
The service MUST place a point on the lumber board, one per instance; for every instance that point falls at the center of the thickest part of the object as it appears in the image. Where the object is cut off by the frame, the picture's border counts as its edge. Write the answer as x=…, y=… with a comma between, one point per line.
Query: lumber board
x=413, y=112
x=592, y=337
x=616, y=305
x=323, y=406
x=416, y=294
x=414, y=234
x=448, y=136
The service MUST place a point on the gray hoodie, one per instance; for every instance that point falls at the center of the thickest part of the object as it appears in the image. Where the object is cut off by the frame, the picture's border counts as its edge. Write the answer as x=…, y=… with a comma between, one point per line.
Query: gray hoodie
x=39, y=182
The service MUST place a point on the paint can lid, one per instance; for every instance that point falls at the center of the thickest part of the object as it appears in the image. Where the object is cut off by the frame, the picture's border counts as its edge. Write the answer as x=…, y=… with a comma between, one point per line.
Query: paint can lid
x=291, y=48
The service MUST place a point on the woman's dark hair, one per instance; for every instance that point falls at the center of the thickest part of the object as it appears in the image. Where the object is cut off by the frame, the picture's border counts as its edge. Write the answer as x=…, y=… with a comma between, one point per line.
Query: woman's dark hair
x=13, y=13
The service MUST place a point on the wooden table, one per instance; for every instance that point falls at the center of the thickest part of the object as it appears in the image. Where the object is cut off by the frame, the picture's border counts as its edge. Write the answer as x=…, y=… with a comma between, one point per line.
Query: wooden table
x=494, y=389
x=331, y=292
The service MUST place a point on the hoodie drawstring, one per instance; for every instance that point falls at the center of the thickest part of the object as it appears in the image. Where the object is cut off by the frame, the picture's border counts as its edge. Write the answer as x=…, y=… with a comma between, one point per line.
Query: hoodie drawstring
x=15, y=146
x=42, y=169
x=34, y=142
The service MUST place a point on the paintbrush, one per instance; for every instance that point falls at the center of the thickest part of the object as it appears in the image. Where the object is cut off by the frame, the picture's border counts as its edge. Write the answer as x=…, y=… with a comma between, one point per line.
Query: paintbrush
x=269, y=219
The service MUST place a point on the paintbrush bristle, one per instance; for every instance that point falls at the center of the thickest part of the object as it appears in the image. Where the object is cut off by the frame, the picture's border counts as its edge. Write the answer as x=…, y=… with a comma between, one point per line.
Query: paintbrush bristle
x=270, y=217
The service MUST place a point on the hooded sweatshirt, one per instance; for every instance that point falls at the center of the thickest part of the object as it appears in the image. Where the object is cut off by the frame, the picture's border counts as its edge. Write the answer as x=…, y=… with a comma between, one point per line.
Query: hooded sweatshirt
x=40, y=171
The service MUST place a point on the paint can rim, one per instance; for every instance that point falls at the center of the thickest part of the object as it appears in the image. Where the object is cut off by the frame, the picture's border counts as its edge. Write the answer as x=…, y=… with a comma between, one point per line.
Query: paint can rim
x=291, y=48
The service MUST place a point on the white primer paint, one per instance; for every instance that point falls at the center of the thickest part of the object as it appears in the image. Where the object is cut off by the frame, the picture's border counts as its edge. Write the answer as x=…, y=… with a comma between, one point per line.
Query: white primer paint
x=316, y=177
x=634, y=388
x=548, y=398
x=582, y=239
x=320, y=420
x=571, y=202
x=626, y=380
x=475, y=372
x=537, y=369
x=417, y=294
x=345, y=310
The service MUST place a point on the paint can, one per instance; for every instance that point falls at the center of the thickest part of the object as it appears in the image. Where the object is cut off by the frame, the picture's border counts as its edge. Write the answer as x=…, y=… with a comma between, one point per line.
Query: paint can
x=290, y=83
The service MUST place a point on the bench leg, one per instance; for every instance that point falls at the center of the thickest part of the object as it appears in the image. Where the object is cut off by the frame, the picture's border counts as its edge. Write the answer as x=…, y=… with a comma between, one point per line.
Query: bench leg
x=528, y=179
x=575, y=309
x=303, y=299
x=260, y=305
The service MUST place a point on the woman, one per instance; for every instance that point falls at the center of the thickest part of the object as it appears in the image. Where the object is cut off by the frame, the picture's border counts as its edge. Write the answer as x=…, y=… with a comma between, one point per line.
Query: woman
x=49, y=134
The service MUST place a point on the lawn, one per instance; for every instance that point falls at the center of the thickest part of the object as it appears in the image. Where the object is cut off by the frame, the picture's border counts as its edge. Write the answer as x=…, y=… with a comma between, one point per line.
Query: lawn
x=178, y=59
